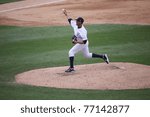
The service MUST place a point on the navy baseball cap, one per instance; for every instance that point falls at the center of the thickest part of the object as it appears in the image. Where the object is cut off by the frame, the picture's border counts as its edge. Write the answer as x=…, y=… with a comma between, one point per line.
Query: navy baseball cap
x=80, y=19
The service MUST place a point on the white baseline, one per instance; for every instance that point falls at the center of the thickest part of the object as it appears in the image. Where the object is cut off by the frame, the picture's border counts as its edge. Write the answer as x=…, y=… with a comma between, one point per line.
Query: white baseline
x=31, y=6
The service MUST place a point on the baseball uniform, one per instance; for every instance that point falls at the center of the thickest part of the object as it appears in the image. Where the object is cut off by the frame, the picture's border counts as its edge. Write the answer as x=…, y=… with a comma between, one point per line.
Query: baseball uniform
x=80, y=34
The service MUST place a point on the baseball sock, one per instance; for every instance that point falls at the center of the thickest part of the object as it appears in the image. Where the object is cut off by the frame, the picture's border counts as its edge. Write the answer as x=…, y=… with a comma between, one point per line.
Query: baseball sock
x=97, y=56
x=71, y=61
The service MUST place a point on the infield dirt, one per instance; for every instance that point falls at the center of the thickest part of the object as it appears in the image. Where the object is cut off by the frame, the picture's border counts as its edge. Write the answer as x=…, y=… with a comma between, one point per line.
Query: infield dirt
x=94, y=12
x=92, y=76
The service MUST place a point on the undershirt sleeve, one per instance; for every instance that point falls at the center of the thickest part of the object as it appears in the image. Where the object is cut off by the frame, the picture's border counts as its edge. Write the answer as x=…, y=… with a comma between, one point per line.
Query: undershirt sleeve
x=69, y=20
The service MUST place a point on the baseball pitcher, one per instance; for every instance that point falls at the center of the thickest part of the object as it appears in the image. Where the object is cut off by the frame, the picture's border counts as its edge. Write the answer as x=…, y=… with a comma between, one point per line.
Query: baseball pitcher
x=80, y=42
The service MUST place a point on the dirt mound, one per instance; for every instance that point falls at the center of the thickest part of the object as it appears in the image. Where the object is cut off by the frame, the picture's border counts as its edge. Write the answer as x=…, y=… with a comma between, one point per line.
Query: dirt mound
x=31, y=13
x=91, y=76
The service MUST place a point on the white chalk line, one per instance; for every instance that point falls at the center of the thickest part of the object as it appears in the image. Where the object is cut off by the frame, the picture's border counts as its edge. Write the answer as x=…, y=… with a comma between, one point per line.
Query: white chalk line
x=31, y=6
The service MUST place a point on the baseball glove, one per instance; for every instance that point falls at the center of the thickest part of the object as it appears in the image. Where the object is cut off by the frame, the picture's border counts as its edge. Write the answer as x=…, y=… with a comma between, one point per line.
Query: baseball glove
x=74, y=38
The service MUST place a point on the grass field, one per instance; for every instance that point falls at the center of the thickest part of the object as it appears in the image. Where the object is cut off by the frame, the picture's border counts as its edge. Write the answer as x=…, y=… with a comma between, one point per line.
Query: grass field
x=26, y=48
x=7, y=1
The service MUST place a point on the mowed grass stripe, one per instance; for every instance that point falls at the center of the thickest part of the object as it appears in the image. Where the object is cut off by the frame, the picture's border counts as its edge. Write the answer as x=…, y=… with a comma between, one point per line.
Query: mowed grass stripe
x=7, y=1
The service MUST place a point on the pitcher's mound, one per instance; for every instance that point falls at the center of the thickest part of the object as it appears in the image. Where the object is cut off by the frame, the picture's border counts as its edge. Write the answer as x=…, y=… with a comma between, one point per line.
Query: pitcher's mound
x=91, y=76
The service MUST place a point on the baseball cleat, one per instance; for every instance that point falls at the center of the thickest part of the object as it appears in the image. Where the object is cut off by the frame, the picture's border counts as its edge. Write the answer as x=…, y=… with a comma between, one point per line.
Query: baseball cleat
x=70, y=70
x=106, y=59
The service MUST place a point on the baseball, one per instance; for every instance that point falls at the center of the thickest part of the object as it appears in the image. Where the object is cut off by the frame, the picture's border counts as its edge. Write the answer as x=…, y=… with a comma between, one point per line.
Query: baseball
x=63, y=9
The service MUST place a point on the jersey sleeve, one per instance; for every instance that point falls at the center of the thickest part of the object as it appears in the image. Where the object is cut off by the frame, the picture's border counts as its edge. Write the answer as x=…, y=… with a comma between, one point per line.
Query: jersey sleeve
x=84, y=35
x=73, y=23
x=74, y=26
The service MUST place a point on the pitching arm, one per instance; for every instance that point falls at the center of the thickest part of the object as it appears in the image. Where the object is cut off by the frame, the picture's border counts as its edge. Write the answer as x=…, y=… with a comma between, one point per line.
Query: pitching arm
x=70, y=20
x=66, y=14
x=72, y=23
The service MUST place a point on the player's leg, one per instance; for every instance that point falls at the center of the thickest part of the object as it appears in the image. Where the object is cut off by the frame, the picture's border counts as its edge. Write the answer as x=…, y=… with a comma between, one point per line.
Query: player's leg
x=76, y=48
x=87, y=54
x=102, y=56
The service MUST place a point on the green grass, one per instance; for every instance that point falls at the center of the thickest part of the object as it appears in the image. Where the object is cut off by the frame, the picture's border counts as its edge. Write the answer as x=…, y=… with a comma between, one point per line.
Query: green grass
x=26, y=48
x=7, y=1
x=12, y=91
